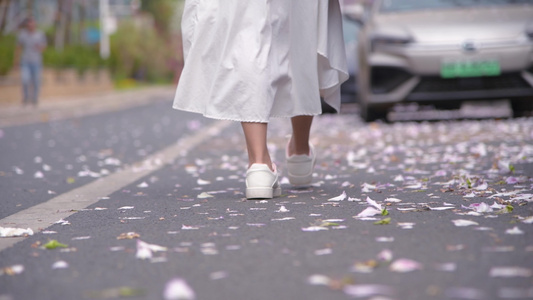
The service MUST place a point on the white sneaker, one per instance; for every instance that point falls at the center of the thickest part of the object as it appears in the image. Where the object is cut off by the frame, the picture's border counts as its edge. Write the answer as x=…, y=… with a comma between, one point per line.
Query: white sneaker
x=261, y=182
x=300, y=167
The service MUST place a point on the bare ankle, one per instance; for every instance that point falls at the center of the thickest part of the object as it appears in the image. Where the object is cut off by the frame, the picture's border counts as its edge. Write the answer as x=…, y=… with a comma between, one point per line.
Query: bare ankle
x=295, y=149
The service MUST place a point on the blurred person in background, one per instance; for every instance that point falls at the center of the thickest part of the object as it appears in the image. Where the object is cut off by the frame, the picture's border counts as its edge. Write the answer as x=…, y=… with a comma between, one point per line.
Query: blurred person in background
x=31, y=43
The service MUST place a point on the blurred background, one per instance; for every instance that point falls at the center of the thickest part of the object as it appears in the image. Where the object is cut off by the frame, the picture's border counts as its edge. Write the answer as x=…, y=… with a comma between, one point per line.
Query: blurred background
x=94, y=45
x=405, y=57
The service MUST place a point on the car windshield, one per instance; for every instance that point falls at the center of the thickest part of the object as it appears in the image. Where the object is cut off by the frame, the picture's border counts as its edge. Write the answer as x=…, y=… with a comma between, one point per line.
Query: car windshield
x=408, y=5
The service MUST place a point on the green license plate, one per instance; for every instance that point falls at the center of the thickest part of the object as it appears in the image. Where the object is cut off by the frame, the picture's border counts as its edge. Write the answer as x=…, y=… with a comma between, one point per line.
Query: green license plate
x=475, y=68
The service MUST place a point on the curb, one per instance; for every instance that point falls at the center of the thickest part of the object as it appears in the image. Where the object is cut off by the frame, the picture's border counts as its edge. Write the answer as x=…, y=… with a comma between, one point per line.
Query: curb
x=65, y=108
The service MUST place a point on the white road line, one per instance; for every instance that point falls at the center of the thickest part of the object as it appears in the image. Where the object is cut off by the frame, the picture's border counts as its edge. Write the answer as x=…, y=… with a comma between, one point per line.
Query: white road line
x=45, y=214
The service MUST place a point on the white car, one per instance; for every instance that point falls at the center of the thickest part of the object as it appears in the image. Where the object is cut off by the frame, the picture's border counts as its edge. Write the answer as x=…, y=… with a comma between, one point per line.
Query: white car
x=444, y=52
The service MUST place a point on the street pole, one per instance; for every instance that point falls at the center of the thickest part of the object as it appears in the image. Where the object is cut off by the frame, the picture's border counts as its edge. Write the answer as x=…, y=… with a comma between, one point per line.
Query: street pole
x=104, y=34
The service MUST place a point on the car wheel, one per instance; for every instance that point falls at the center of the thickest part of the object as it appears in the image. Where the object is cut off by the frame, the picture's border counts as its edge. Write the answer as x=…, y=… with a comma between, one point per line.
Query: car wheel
x=371, y=113
x=523, y=107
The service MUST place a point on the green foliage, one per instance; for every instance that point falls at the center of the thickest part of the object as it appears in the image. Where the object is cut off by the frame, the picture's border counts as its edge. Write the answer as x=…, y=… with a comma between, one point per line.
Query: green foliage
x=162, y=11
x=7, y=53
x=139, y=52
x=80, y=57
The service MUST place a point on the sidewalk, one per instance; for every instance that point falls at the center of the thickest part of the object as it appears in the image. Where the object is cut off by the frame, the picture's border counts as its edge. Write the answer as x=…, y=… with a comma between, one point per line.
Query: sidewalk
x=68, y=107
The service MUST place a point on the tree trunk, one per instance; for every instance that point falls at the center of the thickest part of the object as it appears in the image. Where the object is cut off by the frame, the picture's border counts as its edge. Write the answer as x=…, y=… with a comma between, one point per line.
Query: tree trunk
x=81, y=27
x=3, y=18
x=59, y=26
x=68, y=22
x=30, y=5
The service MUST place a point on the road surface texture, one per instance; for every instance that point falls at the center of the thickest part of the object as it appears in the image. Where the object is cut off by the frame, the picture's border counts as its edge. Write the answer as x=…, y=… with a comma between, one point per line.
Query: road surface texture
x=144, y=202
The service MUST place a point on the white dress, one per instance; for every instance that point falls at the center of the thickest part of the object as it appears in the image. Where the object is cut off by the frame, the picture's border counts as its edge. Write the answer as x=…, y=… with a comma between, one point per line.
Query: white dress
x=250, y=61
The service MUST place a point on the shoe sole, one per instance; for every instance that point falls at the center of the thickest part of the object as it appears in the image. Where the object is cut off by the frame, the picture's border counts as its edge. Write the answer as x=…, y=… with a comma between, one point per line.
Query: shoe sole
x=300, y=180
x=262, y=193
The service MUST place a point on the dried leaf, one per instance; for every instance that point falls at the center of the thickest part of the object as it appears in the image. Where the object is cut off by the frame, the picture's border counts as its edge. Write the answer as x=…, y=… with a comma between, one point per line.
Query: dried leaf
x=117, y=292
x=128, y=235
x=12, y=270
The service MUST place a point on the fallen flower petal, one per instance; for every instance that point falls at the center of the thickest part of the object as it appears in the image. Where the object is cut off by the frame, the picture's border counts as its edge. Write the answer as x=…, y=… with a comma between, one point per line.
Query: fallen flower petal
x=218, y=275
x=323, y=251
x=367, y=290
x=14, y=232
x=60, y=264
x=62, y=222
x=393, y=200
x=461, y=223
x=514, y=230
x=318, y=279
x=385, y=239
x=283, y=209
x=404, y=265
x=178, y=289
x=341, y=197
x=314, y=228
x=367, y=188
x=479, y=207
x=203, y=182
x=144, y=250
x=369, y=212
x=373, y=203
x=283, y=219
x=398, y=178
x=126, y=207
x=385, y=255
x=204, y=195
x=441, y=208
x=446, y=267
x=406, y=225
x=510, y=272
x=142, y=185
x=528, y=220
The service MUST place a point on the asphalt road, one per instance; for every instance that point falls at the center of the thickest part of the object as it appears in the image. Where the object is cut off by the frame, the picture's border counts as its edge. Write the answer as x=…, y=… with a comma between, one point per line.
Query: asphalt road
x=208, y=242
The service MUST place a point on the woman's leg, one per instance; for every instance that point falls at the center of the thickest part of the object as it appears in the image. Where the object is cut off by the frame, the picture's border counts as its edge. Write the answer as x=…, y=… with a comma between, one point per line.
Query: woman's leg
x=25, y=77
x=256, y=143
x=301, y=128
x=36, y=81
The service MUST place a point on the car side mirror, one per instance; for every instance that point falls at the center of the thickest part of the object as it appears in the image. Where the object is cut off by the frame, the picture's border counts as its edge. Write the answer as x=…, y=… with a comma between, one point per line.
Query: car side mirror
x=355, y=12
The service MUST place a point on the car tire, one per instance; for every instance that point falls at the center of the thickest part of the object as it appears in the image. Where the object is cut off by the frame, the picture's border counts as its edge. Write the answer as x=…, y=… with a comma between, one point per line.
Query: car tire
x=522, y=107
x=371, y=113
